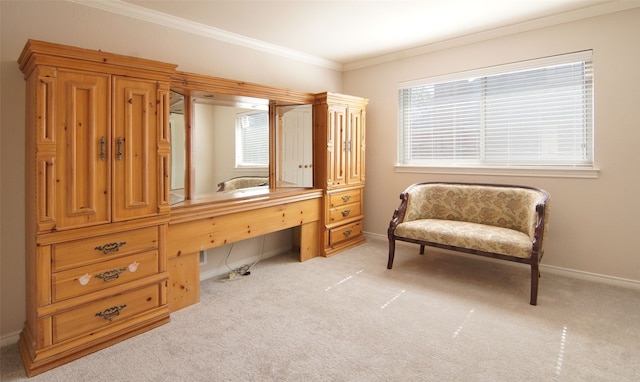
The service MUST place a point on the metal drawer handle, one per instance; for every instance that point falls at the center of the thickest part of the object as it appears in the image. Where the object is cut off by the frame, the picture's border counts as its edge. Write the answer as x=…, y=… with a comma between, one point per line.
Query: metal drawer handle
x=347, y=233
x=346, y=213
x=110, y=247
x=120, y=142
x=346, y=198
x=111, y=275
x=103, y=154
x=112, y=312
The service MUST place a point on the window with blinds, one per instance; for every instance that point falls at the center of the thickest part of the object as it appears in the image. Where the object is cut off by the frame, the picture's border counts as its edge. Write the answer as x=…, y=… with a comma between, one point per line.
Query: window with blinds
x=252, y=139
x=536, y=113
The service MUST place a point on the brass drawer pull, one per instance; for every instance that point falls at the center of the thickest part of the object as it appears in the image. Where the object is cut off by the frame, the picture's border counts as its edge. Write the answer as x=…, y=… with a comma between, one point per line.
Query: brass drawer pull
x=120, y=142
x=112, y=312
x=110, y=247
x=346, y=198
x=103, y=154
x=346, y=213
x=111, y=275
x=347, y=233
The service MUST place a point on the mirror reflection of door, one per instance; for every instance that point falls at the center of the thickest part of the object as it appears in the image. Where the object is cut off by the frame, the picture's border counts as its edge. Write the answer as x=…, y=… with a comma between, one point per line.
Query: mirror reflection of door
x=295, y=153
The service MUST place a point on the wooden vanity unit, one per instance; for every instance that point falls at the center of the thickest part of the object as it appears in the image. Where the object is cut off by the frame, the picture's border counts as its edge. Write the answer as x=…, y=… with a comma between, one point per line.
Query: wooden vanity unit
x=107, y=255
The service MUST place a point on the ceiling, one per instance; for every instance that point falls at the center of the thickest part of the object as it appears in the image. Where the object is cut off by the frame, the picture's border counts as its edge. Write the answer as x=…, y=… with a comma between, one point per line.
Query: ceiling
x=349, y=31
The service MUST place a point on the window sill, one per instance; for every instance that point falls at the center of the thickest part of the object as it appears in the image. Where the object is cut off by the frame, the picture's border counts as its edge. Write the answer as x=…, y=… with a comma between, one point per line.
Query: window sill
x=554, y=172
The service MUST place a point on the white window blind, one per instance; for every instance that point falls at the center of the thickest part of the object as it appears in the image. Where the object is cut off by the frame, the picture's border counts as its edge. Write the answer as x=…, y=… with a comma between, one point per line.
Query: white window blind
x=533, y=113
x=252, y=139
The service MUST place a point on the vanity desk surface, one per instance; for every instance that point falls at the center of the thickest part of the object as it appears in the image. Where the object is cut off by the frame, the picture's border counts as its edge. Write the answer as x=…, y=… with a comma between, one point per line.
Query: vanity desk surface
x=216, y=220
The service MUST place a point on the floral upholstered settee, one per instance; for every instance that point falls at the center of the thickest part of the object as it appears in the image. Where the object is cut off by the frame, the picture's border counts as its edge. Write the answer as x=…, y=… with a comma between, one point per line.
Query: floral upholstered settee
x=500, y=221
x=243, y=182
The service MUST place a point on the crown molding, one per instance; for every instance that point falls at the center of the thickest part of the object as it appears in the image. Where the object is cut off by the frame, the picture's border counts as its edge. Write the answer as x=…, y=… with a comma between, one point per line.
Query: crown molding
x=155, y=17
x=562, y=18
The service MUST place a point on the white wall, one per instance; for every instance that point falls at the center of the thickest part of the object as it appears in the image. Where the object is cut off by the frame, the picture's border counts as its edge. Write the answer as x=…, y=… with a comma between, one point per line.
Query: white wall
x=594, y=222
x=78, y=25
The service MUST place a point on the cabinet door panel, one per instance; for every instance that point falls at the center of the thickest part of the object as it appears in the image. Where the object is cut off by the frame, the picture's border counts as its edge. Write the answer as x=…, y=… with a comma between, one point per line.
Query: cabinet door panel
x=337, y=145
x=356, y=146
x=135, y=149
x=82, y=171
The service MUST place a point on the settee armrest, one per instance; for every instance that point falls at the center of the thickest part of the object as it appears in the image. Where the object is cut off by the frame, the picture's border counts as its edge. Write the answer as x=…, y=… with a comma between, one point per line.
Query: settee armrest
x=540, y=229
x=398, y=214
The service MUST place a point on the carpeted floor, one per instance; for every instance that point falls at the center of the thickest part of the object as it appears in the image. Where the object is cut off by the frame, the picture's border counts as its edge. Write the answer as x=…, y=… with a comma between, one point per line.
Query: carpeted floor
x=437, y=317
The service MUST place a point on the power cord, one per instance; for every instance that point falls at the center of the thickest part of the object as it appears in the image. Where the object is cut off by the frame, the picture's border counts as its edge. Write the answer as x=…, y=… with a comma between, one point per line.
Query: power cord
x=259, y=258
x=244, y=270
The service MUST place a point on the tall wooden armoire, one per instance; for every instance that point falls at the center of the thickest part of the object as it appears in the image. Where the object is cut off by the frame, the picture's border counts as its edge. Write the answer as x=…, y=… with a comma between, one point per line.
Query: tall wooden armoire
x=97, y=147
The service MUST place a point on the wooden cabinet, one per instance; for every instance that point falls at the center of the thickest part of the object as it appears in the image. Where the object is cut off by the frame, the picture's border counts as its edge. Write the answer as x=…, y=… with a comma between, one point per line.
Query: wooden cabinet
x=97, y=200
x=99, y=227
x=105, y=161
x=339, y=122
x=98, y=165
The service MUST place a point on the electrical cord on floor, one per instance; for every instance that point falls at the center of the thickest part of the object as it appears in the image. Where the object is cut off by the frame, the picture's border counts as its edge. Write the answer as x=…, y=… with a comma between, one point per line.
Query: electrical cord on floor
x=244, y=270
x=259, y=258
x=226, y=259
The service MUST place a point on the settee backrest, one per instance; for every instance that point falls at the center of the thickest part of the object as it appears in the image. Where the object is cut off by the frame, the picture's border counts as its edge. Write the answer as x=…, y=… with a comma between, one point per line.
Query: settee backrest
x=501, y=206
x=243, y=182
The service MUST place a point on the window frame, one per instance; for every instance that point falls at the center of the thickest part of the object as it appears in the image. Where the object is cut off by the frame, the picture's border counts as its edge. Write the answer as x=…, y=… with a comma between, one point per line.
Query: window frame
x=584, y=170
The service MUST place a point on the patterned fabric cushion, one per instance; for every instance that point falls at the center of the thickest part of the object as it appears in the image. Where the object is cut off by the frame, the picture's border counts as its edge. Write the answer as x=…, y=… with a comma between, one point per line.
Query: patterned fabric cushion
x=475, y=236
x=243, y=182
x=503, y=207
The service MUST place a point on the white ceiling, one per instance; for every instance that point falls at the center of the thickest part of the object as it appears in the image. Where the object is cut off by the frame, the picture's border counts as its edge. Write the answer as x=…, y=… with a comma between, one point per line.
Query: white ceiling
x=350, y=31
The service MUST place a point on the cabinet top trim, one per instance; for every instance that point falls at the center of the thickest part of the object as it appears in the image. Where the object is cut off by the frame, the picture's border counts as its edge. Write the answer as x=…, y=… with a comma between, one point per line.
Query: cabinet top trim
x=200, y=82
x=329, y=97
x=40, y=52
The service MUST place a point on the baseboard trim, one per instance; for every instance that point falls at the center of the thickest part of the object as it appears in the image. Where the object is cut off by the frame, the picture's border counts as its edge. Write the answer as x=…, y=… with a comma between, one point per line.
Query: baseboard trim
x=573, y=273
x=10, y=339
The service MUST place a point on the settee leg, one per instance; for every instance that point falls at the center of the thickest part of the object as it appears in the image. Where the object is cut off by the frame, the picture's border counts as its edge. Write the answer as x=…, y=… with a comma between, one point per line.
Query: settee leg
x=535, y=275
x=392, y=252
x=422, y=249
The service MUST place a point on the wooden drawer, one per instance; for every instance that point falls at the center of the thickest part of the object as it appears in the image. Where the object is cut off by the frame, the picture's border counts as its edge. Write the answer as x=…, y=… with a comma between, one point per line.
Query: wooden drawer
x=345, y=232
x=344, y=212
x=101, y=248
x=102, y=313
x=90, y=278
x=346, y=197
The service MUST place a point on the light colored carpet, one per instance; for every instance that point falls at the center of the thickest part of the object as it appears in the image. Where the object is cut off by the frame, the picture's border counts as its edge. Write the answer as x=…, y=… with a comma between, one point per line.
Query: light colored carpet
x=437, y=317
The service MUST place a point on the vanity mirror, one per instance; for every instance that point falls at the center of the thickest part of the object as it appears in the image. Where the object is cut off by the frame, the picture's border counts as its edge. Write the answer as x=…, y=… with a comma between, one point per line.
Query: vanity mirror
x=225, y=146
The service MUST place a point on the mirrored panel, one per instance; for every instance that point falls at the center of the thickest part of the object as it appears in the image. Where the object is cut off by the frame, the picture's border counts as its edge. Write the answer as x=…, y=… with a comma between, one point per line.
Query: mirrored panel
x=230, y=144
x=294, y=146
x=177, y=125
x=221, y=145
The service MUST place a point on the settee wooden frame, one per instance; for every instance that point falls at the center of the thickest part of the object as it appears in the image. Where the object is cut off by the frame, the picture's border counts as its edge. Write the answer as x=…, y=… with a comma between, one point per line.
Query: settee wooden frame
x=533, y=260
